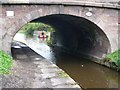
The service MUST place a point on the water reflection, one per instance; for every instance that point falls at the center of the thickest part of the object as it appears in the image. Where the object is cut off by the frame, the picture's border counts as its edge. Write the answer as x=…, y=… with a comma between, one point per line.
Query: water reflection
x=86, y=73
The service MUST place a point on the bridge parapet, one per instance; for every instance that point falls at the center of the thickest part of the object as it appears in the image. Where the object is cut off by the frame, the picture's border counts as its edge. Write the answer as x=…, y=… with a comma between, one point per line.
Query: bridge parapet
x=93, y=3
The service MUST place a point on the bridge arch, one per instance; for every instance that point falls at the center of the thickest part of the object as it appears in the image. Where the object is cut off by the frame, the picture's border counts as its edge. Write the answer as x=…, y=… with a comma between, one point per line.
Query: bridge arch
x=91, y=44
x=78, y=35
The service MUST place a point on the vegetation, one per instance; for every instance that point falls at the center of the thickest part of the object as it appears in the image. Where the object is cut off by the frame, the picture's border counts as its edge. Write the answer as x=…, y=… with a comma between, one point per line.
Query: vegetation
x=115, y=58
x=50, y=41
x=29, y=28
x=6, y=62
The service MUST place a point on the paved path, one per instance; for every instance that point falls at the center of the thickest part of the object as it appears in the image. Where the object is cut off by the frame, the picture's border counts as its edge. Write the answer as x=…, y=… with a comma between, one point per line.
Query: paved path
x=33, y=71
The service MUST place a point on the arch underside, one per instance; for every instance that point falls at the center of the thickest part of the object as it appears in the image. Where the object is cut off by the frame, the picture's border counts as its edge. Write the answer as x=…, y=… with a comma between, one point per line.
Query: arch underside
x=77, y=35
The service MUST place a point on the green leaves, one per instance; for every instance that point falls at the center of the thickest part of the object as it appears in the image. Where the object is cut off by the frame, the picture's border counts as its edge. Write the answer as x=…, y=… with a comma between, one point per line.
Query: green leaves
x=6, y=62
x=29, y=28
x=115, y=58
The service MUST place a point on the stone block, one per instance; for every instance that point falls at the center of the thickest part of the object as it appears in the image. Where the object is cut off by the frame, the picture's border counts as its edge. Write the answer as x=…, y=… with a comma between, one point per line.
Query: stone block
x=34, y=14
x=28, y=17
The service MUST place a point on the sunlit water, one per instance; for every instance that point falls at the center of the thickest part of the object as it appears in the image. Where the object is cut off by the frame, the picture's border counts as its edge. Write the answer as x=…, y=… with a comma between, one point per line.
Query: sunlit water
x=86, y=73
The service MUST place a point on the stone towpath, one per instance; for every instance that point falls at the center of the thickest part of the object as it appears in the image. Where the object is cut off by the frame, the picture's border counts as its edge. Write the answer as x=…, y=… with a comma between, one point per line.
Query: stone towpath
x=33, y=71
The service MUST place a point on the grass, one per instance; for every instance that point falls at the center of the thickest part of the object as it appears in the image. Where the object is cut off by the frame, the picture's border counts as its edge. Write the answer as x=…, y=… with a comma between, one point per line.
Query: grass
x=6, y=62
x=115, y=58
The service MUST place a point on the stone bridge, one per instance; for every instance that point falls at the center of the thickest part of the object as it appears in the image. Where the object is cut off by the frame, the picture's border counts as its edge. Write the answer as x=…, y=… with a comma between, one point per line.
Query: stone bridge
x=87, y=27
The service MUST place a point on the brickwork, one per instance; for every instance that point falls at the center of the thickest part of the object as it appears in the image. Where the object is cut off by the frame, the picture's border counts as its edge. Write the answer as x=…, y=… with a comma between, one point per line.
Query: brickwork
x=43, y=1
x=102, y=17
x=97, y=3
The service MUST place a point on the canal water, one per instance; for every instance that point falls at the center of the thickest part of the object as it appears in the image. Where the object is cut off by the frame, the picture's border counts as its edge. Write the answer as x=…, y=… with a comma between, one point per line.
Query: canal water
x=86, y=73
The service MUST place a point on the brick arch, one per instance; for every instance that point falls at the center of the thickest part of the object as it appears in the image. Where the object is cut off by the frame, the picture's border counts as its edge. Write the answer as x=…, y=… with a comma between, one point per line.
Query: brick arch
x=28, y=18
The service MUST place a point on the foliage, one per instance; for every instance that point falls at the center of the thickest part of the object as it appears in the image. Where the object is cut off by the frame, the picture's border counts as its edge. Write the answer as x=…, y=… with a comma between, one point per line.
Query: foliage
x=29, y=28
x=6, y=62
x=50, y=41
x=114, y=57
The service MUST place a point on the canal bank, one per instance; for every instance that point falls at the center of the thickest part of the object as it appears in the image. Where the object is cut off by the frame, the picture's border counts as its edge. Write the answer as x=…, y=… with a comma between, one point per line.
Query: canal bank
x=86, y=73
x=105, y=61
x=31, y=70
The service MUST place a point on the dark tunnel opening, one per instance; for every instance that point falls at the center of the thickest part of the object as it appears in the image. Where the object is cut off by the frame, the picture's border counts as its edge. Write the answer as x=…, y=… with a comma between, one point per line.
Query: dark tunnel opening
x=77, y=35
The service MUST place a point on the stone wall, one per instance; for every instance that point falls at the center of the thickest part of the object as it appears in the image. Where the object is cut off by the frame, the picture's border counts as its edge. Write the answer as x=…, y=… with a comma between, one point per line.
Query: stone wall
x=106, y=19
x=36, y=1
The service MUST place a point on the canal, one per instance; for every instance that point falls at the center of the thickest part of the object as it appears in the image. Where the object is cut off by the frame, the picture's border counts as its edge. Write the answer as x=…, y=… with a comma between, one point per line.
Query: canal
x=86, y=73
